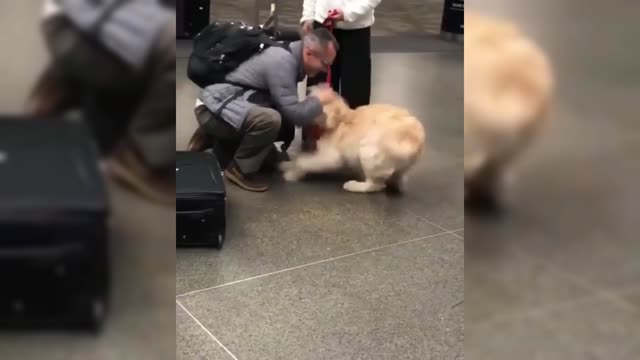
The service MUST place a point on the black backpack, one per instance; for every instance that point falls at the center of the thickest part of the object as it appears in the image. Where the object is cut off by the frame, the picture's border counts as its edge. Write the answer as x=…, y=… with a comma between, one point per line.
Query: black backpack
x=221, y=47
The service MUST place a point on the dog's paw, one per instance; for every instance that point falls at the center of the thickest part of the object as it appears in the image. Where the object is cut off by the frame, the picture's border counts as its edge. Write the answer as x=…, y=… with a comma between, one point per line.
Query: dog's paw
x=353, y=186
x=292, y=175
x=362, y=186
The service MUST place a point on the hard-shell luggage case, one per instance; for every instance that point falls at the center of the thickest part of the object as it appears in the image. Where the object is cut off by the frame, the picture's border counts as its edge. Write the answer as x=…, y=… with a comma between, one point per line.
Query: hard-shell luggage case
x=54, y=258
x=200, y=200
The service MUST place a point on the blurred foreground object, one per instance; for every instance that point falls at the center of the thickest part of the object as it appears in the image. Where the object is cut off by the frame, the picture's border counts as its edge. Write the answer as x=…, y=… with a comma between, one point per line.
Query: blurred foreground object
x=53, y=226
x=508, y=84
x=114, y=60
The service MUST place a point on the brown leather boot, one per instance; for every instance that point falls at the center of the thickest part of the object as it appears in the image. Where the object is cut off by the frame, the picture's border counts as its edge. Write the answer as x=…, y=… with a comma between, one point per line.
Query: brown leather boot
x=246, y=182
x=200, y=141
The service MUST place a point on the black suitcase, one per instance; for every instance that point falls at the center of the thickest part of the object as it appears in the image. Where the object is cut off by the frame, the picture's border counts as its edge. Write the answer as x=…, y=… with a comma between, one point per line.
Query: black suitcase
x=200, y=200
x=53, y=227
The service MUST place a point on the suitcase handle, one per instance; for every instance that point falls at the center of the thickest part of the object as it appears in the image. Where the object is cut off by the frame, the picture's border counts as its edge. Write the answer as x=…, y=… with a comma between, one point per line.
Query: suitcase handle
x=49, y=252
x=195, y=213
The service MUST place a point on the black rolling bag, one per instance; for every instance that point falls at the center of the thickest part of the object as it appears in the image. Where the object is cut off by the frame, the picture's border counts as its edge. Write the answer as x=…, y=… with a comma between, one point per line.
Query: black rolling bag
x=54, y=262
x=200, y=200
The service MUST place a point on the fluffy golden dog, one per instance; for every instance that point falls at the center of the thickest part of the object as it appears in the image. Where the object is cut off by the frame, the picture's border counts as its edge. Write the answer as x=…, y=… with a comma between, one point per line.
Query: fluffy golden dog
x=382, y=142
x=508, y=84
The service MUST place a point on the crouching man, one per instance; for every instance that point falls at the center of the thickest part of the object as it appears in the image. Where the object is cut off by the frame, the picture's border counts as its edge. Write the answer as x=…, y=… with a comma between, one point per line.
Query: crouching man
x=259, y=98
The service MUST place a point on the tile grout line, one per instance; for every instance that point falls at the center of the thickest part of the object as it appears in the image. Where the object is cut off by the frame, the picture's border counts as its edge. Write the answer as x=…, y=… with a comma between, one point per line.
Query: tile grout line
x=436, y=225
x=315, y=263
x=206, y=330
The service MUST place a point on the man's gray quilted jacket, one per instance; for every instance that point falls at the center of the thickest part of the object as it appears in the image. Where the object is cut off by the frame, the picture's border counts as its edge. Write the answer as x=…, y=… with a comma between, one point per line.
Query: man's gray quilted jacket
x=277, y=72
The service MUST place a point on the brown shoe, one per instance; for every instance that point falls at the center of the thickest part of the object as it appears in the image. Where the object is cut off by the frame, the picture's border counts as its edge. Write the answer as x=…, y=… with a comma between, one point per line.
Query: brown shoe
x=243, y=181
x=200, y=141
x=125, y=167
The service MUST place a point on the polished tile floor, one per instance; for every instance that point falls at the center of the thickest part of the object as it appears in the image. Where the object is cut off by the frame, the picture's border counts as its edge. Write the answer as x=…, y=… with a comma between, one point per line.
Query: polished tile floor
x=392, y=17
x=311, y=272
x=142, y=323
x=558, y=276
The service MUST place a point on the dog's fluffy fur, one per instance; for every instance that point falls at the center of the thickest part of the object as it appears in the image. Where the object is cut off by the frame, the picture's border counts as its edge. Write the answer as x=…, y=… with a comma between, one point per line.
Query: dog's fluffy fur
x=382, y=142
x=507, y=90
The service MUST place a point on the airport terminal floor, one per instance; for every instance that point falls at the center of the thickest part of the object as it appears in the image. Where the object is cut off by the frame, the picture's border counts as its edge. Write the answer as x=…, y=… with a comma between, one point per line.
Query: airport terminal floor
x=312, y=272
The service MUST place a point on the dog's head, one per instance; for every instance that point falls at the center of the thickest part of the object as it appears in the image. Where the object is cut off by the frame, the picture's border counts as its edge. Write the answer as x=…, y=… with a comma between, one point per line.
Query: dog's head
x=334, y=113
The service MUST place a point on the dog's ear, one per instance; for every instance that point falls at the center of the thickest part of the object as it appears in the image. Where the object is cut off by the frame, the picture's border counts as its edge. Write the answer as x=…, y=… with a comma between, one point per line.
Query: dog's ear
x=334, y=113
x=341, y=109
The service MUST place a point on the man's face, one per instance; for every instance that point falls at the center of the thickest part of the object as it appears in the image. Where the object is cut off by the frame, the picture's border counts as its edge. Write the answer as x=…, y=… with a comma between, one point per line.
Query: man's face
x=317, y=60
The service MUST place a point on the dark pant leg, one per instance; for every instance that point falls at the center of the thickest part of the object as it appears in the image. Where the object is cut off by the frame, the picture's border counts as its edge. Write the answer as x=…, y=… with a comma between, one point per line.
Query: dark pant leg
x=287, y=134
x=251, y=143
x=224, y=137
x=336, y=67
x=355, y=66
x=152, y=130
x=259, y=131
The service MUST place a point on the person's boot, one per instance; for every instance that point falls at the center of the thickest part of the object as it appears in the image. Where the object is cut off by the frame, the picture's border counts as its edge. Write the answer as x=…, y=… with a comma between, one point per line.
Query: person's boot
x=244, y=181
x=129, y=170
x=200, y=141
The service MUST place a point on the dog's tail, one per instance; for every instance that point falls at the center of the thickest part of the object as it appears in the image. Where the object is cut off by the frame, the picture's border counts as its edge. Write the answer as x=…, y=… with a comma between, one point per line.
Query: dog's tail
x=514, y=99
x=408, y=142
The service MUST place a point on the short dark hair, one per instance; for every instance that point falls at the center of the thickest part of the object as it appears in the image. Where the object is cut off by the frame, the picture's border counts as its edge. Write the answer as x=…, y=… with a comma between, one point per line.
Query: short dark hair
x=320, y=37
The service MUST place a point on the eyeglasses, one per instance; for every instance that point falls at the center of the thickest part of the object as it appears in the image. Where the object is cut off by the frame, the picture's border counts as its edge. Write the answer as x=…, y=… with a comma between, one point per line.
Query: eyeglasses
x=320, y=56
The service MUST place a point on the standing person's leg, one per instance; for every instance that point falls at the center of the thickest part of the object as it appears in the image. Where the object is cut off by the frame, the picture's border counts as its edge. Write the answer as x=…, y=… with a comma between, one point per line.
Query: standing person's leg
x=337, y=67
x=258, y=133
x=355, y=67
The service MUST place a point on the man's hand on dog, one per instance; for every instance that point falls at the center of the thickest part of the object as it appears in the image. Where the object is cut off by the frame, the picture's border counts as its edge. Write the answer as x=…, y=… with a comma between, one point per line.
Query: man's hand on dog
x=325, y=94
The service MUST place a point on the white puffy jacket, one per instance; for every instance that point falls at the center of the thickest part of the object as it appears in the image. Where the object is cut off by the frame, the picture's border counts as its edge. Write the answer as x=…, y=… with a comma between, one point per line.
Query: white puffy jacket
x=358, y=14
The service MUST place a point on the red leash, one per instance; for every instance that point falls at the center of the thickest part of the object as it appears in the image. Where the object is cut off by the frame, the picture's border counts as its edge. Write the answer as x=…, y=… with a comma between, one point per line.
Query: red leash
x=330, y=27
